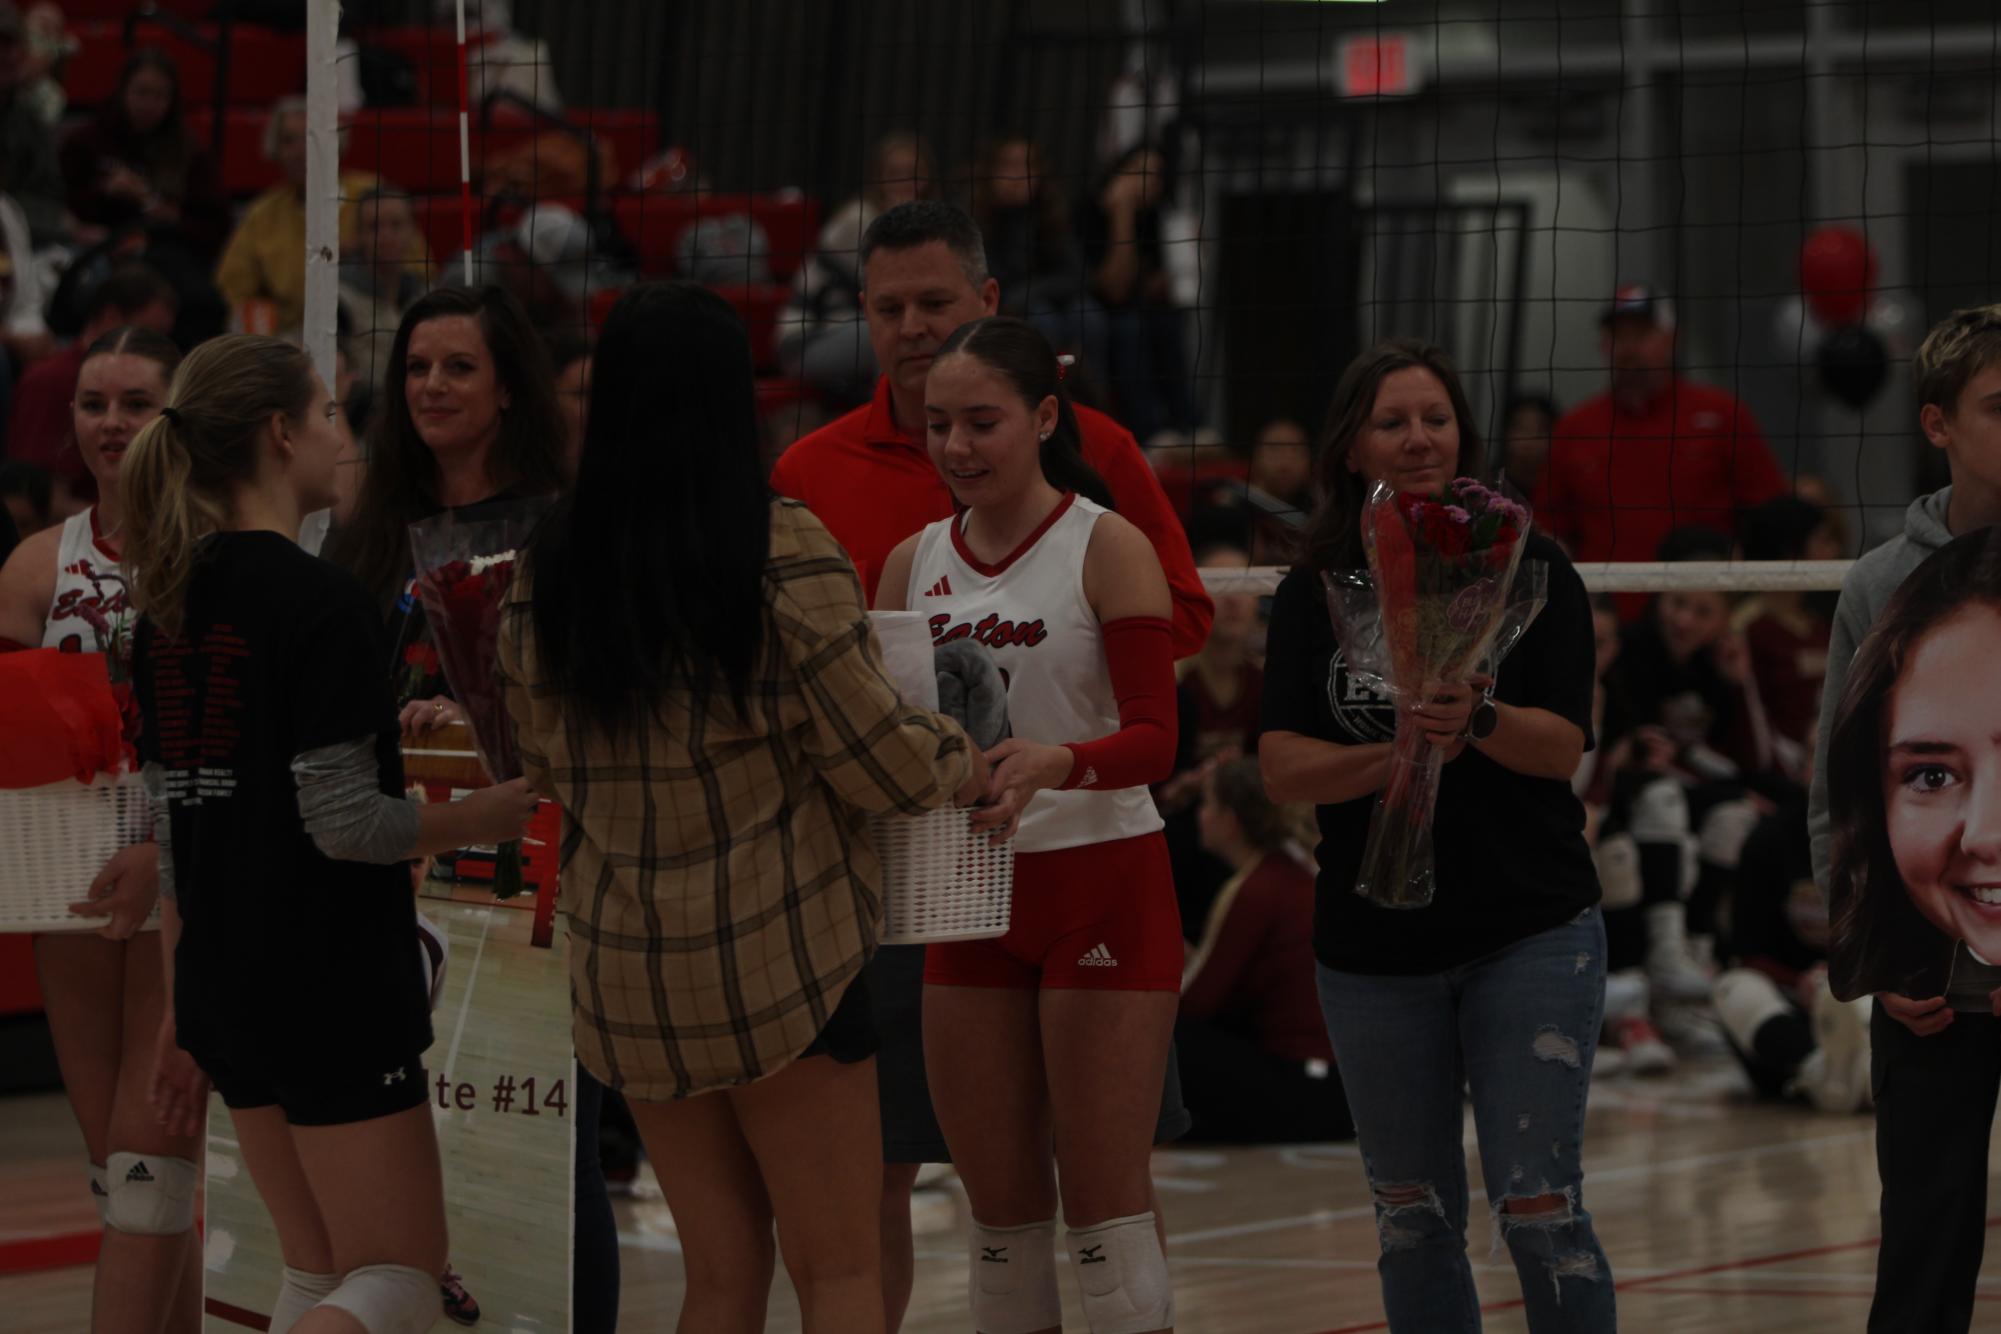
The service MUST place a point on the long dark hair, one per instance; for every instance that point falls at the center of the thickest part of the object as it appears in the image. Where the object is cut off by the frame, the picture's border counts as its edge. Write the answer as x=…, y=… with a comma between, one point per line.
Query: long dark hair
x=165, y=148
x=1051, y=210
x=1332, y=539
x=650, y=572
x=1017, y=352
x=1870, y=913
x=400, y=484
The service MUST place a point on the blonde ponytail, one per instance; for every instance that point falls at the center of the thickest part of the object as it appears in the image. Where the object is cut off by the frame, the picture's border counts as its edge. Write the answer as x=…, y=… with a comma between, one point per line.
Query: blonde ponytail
x=178, y=473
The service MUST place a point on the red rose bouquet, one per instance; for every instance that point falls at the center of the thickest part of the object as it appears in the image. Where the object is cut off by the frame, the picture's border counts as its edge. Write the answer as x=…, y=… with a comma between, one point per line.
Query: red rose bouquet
x=463, y=570
x=1439, y=598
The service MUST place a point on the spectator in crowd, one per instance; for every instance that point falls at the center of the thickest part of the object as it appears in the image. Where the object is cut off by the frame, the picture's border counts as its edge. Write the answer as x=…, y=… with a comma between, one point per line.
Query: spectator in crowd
x=1702, y=757
x=1653, y=453
x=499, y=60
x=49, y=47
x=822, y=338
x=1119, y=226
x=265, y=258
x=38, y=423
x=28, y=164
x=29, y=493
x=1216, y=700
x=137, y=165
x=548, y=259
x=1255, y=1059
x=377, y=282
x=1787, y=630
x=23, y=296
x=571, y=356
x=1636, y=1045
x=1526, y=424
x=1031, y=249
x=1282, y=464
x=1793, y=1038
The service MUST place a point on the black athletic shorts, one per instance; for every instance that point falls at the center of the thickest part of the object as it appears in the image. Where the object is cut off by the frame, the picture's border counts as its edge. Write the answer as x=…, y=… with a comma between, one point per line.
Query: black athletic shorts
x=910, y=1132
x=322, y=1098
x=849, y=1034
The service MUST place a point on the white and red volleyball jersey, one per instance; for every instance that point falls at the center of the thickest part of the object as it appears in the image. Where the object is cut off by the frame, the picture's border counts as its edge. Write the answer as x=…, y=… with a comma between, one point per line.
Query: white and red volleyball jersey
x=1030, y=612
x=90, y=612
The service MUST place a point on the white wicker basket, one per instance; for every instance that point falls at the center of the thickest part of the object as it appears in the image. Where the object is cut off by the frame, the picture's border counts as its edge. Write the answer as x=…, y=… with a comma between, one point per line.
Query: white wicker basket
x=53, y=842
x=941, y=880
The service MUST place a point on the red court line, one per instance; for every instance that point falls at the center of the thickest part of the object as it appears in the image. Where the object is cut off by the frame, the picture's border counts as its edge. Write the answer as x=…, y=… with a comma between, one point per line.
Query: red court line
x=62, y=1251
x=236, y=1315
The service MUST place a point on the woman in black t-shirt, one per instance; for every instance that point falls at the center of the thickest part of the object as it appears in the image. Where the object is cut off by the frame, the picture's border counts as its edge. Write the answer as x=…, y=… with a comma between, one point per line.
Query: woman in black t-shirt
x=468, y=416
x=269, y=746
x=1500, y=982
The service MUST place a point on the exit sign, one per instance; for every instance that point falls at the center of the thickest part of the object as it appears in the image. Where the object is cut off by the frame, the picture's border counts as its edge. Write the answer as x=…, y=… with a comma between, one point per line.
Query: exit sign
x=1377, y=65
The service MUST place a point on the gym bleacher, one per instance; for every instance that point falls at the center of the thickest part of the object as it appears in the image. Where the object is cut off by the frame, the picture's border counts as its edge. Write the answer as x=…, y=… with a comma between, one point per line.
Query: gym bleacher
x=416, y=147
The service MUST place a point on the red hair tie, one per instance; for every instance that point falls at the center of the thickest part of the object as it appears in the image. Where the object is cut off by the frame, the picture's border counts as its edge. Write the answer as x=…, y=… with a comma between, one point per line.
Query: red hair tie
x=1064, y=361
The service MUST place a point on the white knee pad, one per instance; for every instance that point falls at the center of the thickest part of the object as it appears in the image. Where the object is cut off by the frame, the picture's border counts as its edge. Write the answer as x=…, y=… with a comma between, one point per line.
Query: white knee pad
x=151, y=1194
x=388, y=1299
x=301, y=1291
x=1013, y=1278
x=1659, y=813
x=1617, y=858
x=100, y=1193
x=1123, y=1274
x=1724, y=830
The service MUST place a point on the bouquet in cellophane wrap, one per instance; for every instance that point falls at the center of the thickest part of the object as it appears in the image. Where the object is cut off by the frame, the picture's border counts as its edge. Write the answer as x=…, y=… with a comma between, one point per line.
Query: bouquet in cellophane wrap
x=463, y=569
x=1444, y=598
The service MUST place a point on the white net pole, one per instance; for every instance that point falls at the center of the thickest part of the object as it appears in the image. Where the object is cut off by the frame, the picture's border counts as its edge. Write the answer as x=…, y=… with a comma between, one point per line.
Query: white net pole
x=1730, y=576
x=322, y=210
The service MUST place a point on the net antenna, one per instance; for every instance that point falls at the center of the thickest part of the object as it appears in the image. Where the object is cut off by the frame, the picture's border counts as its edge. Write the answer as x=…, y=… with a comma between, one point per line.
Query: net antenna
x=322, y=214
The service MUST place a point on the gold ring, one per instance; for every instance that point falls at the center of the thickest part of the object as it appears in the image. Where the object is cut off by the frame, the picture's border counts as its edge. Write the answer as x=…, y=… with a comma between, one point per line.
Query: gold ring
x=438, y=705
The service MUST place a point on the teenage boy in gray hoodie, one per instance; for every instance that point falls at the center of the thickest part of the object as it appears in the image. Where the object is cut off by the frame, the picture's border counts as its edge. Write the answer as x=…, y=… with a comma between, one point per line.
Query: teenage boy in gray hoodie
x=1937, y=1059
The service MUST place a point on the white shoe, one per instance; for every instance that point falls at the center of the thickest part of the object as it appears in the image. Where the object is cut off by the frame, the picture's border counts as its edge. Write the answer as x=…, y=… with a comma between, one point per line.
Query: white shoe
x=1640, y=1043
x=1838, y=1080
x=1692, y=1029
x=1626, y=995
x=1672, y=970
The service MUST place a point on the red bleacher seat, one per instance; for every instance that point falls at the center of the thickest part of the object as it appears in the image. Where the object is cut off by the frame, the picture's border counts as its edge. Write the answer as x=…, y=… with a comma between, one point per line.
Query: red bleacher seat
x=114, y=11
x=418, y=147
x=433, y=52
x=263, y=65
x=654, y=223
x=245, y=169
x=759, y=306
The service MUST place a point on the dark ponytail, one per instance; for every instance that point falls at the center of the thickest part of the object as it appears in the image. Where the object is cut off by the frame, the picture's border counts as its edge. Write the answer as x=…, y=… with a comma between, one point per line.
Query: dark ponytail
x=1017, y=351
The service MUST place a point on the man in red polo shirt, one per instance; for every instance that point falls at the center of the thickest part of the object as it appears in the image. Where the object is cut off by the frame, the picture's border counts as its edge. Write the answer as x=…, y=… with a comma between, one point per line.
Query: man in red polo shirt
x=869, y=478
x=1654, y=453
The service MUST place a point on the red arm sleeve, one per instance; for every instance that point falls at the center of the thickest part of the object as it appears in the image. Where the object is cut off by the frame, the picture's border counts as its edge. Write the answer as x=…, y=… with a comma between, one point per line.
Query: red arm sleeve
x=1226, y=955
x=1111, y=450
x=1140, y=657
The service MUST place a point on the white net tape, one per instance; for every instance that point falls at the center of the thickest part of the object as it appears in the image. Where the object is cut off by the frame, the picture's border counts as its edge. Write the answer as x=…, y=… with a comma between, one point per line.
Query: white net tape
x=1736, y=576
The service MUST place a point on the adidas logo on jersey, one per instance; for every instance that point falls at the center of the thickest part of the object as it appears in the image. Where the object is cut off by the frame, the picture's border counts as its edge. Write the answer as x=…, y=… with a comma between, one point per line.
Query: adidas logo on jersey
x=941, y=589
x=1090, y=778
x=1097, y=957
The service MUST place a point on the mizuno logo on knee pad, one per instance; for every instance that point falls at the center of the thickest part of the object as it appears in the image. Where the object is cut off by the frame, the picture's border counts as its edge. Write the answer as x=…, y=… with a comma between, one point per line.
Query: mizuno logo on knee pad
x=1091, y=1255
x=993, y=1255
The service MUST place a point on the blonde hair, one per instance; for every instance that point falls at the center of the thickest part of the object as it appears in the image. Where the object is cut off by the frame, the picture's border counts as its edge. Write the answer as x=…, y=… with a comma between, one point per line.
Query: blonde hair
x=176, y=477
x=1959, y=347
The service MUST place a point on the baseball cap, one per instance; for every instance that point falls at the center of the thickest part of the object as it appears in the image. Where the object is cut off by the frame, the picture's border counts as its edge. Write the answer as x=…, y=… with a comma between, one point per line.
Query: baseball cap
x=1641, y=300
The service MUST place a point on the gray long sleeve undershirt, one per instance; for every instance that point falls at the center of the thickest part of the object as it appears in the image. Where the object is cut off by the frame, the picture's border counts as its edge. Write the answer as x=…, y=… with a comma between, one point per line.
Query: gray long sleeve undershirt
x=345, y=809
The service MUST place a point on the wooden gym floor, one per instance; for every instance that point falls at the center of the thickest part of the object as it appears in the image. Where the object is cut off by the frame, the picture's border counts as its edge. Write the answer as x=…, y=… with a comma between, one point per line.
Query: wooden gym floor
x=1719, y=1213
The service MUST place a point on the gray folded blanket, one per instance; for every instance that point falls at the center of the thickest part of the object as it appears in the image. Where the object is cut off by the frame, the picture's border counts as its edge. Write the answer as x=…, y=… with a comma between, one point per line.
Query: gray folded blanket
x=972, y=691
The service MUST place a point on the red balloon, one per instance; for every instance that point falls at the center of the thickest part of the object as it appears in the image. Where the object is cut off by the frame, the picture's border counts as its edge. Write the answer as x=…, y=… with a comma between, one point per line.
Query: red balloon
x=1837, y=272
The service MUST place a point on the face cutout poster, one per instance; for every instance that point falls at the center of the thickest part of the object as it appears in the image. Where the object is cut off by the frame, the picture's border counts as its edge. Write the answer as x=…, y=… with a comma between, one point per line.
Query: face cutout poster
x=1914, y=787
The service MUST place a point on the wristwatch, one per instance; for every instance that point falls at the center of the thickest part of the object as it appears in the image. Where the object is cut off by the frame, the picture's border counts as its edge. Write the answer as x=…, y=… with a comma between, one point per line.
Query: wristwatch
x=1480, y=724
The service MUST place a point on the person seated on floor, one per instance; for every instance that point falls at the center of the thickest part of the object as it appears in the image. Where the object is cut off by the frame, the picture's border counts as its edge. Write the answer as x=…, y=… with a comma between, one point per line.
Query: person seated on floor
x=1793, y=1038
x=1787, y=630
x=1256, y=1064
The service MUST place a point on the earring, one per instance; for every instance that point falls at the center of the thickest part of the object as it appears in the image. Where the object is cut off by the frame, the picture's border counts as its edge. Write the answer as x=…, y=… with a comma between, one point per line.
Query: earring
x=1044, y=437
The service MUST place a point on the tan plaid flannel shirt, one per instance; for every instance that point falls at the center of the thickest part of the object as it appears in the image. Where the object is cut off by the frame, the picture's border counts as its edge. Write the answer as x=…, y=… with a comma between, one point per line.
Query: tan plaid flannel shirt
x=717, y=874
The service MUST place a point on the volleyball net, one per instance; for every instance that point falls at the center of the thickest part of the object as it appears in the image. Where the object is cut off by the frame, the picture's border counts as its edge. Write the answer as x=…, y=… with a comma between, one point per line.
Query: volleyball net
x=1216, y=204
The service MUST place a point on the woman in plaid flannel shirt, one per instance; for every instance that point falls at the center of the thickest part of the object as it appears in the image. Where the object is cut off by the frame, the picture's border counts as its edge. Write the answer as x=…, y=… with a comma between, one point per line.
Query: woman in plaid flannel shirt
x=717, y=724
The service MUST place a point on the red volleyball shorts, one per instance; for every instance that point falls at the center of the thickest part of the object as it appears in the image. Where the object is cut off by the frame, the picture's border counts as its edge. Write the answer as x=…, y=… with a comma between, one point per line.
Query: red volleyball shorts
x=1100, y=917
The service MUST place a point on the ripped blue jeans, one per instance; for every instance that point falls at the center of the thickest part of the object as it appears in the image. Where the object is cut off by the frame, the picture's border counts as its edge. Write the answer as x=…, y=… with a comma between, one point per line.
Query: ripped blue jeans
x=1520, y=1028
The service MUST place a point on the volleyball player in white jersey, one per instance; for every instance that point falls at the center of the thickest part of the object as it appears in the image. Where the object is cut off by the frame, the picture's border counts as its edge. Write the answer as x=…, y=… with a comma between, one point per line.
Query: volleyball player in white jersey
x=63, y=588
x=1046, y=1048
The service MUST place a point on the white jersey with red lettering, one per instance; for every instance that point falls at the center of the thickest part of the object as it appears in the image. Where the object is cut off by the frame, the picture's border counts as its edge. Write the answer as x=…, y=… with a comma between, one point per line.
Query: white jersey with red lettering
x=90, y=612
x=1030, y=612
